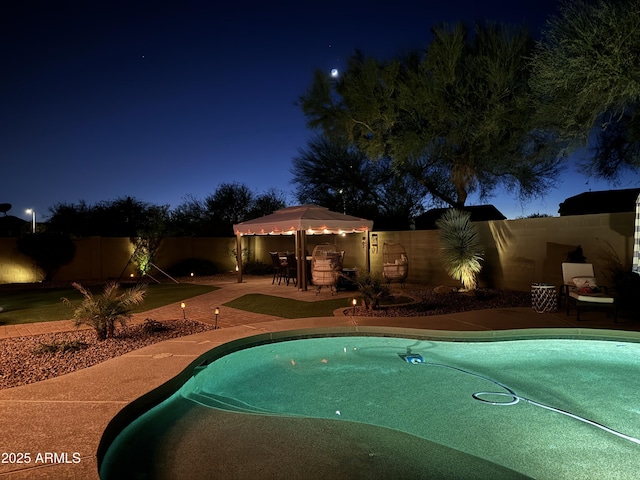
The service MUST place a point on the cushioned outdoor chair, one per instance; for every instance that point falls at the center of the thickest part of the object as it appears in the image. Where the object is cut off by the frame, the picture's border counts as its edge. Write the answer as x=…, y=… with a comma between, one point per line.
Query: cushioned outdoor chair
x=395, y=264
x=581, y=288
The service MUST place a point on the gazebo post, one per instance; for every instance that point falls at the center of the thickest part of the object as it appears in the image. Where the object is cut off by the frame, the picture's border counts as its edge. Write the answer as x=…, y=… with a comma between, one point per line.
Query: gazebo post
x=297, y=252
x=367, y=251
x=303, y=255
x=239, y=255
x=302, y=259
x=635, y=263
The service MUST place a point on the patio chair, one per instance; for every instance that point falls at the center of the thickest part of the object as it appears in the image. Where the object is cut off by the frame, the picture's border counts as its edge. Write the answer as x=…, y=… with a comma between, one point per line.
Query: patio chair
x=395, y=264
x=279, y=267
x=292, y=268
x=326, y=263
x=581, y=288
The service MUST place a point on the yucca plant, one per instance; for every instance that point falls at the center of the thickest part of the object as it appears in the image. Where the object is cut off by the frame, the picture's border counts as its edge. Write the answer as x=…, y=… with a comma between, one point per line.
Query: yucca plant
x=103, y=311
x=461, y=248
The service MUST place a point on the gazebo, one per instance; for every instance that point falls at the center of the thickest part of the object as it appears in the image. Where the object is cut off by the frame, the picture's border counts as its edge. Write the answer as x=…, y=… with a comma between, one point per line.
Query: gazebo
x=301, y=220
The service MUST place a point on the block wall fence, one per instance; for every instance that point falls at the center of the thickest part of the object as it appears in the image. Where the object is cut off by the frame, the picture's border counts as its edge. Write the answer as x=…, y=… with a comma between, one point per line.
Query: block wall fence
x=517, y=252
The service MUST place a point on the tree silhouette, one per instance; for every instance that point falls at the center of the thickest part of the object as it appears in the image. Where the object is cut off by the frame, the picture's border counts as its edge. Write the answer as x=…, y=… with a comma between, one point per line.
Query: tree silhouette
x=338, y=176
x=457, y=118
x=586, y=72
x=122, y=217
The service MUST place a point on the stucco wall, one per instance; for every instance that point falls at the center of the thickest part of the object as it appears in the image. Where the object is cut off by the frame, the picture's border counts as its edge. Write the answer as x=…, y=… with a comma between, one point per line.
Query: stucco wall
x=517, y=252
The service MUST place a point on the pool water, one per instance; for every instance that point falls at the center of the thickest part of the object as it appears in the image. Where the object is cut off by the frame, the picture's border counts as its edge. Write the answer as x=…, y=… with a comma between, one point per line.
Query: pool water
x=380, y=406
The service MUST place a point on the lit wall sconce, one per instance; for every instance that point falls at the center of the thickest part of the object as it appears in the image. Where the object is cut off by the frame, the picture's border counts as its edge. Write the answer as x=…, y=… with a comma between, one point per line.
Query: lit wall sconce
x=184, y=311
x=217, y=312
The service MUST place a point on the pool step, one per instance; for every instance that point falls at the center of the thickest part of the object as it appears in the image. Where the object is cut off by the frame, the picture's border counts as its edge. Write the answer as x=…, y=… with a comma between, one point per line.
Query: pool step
x=224, y=403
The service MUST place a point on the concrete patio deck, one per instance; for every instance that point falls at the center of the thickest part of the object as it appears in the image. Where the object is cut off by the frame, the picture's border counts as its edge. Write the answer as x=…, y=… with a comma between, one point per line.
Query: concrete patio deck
x=59, y=422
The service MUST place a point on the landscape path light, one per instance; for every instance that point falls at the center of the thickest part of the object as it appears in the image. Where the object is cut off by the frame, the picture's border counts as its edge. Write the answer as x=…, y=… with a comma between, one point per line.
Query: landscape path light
x=184, y=311
x=217, y=312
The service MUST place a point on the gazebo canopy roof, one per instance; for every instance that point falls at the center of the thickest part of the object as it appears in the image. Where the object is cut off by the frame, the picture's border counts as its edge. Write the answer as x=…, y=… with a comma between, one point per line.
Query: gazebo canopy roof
x=312, y=219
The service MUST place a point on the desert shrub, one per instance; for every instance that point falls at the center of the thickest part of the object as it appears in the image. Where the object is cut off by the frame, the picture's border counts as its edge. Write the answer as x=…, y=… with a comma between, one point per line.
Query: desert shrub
x=625, y=282
x=197, y=266
x=372, y=288
x=151, y=326
x=63, y=346
x=576, y=256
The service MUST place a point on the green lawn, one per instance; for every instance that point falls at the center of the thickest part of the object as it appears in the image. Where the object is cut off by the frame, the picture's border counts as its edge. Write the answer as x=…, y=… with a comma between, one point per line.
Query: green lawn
x=44, y=304
x=286, y=307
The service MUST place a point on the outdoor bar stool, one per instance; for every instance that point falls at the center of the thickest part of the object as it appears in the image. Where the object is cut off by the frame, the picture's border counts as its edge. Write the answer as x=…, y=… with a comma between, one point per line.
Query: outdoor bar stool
x=279, y=267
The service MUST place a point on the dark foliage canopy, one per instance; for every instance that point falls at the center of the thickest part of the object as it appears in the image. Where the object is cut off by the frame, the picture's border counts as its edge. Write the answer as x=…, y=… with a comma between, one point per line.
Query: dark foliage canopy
x=456, y=117
x=230, y=203
x=129, y=217
x=123, y=217
x=586, y=78
x=336, y=175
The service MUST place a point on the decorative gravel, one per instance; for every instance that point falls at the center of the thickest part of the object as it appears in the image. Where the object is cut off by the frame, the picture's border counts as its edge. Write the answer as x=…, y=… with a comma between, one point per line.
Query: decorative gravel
x=23, y=361
x=428, y=302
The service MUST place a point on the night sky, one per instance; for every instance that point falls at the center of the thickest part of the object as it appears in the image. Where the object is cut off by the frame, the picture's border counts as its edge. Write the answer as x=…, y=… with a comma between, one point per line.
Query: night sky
x=160, y=100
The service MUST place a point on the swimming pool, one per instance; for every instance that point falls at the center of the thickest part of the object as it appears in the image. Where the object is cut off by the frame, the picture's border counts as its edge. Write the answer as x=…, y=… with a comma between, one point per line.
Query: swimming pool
x=389, y=407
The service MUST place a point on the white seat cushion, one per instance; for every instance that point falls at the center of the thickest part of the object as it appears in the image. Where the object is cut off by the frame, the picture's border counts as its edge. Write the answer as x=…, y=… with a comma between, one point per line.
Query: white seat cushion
x=591, y=297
